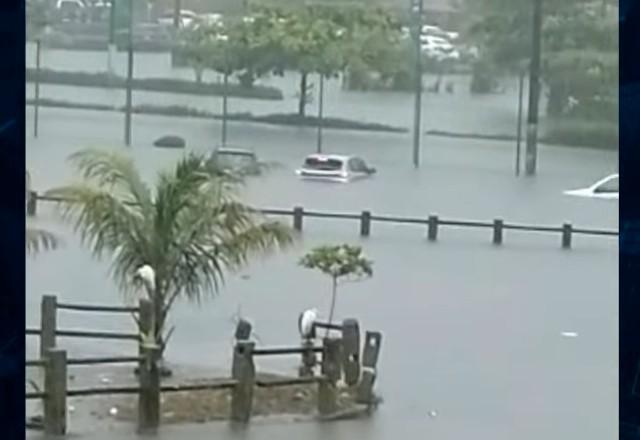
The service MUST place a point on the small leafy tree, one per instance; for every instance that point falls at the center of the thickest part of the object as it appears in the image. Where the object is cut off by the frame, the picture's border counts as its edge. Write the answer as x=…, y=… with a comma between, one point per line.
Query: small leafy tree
x=340, y=262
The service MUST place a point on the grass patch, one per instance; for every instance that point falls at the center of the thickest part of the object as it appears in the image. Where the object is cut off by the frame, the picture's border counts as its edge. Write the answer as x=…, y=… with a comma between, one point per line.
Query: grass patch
x=286, y=119
x=164, y=85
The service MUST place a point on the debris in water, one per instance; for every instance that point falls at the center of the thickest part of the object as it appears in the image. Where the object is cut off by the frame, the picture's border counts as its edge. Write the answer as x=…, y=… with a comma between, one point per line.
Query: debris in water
x=569, y=334
x=72, y=408
x=113, y=411
x=105, y=379
x=433, y=414
x=245, y=276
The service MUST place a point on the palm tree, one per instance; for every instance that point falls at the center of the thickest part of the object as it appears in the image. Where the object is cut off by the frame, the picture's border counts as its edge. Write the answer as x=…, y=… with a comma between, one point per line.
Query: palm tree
x=189, y=228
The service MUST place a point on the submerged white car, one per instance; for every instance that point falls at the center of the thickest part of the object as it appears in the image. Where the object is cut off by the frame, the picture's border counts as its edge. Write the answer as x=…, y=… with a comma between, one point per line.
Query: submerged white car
x=334, y=168
x=607, y=188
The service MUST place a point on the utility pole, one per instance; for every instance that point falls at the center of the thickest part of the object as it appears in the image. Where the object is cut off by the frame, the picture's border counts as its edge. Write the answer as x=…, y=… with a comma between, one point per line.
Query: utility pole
x=177, y=6
x=521, y=75
x=127, y=118
x=417, y=9
x=320, y=114
x=111, y=50
x=534, y=90
x=36, y=108
x=225, y=92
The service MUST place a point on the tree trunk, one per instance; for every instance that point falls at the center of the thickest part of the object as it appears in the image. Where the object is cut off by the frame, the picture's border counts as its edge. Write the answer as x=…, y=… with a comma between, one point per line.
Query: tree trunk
x=302, y=103
x=199, y=72
x=334, y=291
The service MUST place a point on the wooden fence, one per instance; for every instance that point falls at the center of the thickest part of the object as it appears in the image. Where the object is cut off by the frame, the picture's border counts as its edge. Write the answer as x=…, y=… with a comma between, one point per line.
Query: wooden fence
x=433, y=223
x=335, y=352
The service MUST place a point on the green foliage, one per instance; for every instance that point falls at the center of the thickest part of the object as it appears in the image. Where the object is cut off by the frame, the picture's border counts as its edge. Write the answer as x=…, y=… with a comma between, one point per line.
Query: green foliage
x=189, y=226
x=37, y=240
x=581, y=133
x=339, y=261
x=162, y=85
x=40, y=240
x=579, y=49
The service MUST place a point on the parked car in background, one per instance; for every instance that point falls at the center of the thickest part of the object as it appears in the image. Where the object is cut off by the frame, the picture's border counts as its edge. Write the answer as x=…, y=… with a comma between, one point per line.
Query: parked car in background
x=187, y=18
x=236, y=161
x=439, y=48
x=607, y=188
x=334, y=168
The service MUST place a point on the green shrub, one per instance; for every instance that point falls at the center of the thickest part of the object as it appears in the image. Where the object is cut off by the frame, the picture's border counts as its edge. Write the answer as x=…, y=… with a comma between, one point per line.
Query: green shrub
x=164, y=85
x=574, y=132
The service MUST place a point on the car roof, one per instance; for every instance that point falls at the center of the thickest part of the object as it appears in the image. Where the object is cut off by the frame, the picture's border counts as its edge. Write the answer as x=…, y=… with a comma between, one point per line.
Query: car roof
x=340, y=157
x=227, y=150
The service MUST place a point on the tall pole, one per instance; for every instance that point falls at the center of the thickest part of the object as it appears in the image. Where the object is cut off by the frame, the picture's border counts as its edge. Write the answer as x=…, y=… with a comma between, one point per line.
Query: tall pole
x=37, y=91
x=111, y=49
x=519, y=130
x=534, y=90
x=127, y=119
x=417, y=8
x=320, y=114
x=176, y=13
x=224, y=108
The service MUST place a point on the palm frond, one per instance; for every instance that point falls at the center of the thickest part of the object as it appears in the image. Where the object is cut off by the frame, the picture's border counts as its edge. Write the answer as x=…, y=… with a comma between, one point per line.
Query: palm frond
x=40, y=239
x=114, y=171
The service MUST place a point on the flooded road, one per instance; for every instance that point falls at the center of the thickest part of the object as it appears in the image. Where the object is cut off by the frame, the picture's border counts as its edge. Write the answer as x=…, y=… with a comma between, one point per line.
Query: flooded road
x=471, y=331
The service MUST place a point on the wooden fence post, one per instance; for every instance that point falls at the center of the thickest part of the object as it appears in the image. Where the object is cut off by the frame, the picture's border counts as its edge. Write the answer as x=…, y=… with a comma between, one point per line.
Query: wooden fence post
x=365, y=223
x=566, y=235
x=309, y=359
x=432, y=233
x=244, y=372
x=298, y=215
x=32, y=202
x=48, y=318
x=370, y=356
x=327, y=392
x=351, y=351
x=55, y=388
x=498, y=225
x=149, y=397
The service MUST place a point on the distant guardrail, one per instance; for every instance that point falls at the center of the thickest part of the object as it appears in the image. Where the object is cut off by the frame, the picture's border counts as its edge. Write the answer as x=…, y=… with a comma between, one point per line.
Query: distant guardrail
x=432, y=222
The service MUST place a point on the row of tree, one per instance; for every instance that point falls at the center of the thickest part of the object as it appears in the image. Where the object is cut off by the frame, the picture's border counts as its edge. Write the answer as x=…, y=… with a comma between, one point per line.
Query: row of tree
x=579, y=50
x=353, y=42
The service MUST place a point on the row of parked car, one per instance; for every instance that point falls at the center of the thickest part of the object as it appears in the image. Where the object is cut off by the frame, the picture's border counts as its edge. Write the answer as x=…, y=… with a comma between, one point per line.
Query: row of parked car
x=347, y=168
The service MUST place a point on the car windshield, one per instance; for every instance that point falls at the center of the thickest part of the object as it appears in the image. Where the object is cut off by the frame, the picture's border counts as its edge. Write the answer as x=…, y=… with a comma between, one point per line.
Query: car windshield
x=611, y=185
x=234, y=160
x=319, y=164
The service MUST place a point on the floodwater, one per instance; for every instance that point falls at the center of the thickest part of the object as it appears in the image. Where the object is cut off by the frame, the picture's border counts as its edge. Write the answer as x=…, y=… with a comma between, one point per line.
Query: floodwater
x=471, y=331
x=462, y=112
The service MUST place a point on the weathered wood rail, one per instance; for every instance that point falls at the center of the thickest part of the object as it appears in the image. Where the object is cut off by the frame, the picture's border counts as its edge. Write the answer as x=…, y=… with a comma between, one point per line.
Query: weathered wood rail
x=337, y=354
x=432, y=222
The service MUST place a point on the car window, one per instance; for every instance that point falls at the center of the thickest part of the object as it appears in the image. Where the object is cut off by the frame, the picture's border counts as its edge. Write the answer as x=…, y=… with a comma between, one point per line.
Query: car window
x=315, y=163
x=357, y=165
x=234, y=160
x=610, y=186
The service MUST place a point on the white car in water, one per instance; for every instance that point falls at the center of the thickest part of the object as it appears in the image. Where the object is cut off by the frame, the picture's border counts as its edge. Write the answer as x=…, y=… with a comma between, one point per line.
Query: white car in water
x=334, y=168
x=607, y=188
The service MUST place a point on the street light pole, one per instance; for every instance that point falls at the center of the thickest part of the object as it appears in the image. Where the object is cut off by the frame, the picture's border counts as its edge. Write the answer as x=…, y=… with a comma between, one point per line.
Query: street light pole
x=111, y=49
x=534, y=90
x=417, y=8
x=320, y=114
x=36, y=109
x=519, y=129
x=127, y=118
